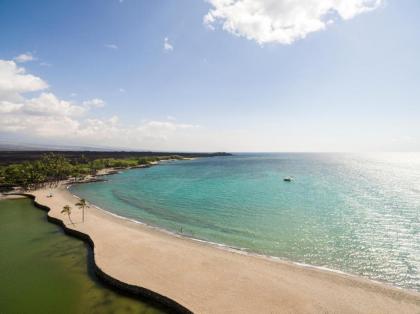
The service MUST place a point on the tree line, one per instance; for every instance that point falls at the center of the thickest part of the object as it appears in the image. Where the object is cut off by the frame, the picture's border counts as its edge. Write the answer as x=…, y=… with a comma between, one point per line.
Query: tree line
x=52, y=168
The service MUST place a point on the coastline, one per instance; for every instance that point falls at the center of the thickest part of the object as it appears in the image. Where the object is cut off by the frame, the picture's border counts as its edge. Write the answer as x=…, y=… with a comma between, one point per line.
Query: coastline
x=123, y=287
x=237, y=250
x=189, y=274
x=229, y=248
x=111, y=171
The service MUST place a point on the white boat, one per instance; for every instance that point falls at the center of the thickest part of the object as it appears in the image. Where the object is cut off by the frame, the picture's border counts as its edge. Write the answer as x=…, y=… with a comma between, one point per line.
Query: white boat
x=288, y=179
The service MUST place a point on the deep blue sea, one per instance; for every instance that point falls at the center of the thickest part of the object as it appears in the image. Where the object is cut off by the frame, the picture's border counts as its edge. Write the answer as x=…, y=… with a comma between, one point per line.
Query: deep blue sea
x=356, y=213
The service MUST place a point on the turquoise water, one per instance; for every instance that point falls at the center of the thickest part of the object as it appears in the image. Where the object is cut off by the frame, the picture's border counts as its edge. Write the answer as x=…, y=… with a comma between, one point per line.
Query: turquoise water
x=354, y=213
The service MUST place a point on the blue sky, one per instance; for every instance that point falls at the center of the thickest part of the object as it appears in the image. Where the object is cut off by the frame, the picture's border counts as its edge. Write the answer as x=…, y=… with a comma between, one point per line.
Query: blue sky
x=223, y=83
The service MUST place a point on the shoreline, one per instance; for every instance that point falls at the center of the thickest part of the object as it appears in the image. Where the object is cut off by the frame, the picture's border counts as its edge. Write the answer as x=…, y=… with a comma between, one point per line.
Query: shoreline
x=135, y=291
x=206, y=279
x=220, y=246
x=233, y=249
x=263, y=283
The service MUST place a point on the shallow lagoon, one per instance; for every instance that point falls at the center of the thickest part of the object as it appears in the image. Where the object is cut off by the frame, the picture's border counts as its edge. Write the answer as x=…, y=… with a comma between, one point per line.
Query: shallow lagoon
x=42, y=270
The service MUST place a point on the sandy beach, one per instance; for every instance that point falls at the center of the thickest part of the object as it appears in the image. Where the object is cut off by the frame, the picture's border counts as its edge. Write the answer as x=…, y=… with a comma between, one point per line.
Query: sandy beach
x=207, y=279
x=9, y=197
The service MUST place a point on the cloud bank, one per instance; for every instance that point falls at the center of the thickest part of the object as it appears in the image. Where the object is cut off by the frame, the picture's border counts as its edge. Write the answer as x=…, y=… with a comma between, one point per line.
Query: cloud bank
x=46, y=116
x=282, y=21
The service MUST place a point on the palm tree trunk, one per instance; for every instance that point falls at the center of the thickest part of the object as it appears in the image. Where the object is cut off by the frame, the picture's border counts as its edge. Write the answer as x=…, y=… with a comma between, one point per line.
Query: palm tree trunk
x=71, y=220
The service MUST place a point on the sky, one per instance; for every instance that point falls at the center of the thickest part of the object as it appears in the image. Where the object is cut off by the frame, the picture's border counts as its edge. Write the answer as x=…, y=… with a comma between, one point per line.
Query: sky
x=215, y=75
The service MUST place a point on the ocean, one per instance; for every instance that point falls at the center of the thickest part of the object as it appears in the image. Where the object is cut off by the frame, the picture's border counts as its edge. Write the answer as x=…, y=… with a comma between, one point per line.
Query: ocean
x=355, y=213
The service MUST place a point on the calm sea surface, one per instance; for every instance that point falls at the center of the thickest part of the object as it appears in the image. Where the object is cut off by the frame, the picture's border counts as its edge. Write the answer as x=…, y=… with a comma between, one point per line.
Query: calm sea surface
x=354, y=213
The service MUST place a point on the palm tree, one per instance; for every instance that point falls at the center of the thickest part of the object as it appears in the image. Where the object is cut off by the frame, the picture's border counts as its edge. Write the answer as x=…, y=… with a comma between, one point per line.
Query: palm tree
x=82, y=205
x=67, y=210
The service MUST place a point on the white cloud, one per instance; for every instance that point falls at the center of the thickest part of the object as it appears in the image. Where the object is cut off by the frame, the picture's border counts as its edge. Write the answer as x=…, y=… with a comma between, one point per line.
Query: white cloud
x=281, y=21
x=111, y=46
x=121, y=90
x=9, y=107
x=46, y=116
x=45, y=64
x=24, y=57
x=167, y=46
x=94, y=103
x=14, y=81
x=47, y=104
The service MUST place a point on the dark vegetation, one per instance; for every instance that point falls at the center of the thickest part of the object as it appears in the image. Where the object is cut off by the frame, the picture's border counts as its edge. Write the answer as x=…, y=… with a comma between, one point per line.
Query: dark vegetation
x=16, y=157
x=31, y=170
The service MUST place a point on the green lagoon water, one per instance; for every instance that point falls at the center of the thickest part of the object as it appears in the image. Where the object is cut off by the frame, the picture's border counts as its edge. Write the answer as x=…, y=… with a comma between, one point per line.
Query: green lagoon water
x=354, y=213
x=44, y=271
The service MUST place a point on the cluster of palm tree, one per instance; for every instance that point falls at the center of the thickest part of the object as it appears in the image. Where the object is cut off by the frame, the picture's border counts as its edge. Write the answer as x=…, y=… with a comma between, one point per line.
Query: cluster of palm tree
x=48, y=170
x=81, y=204
x=51, y=168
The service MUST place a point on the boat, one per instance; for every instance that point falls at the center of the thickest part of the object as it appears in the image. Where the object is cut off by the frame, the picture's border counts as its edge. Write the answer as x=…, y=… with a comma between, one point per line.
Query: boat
x=288, y=179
